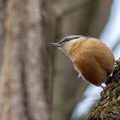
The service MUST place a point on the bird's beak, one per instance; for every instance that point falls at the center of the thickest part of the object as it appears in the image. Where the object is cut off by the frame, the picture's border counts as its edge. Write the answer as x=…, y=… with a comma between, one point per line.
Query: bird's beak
x=56, y=44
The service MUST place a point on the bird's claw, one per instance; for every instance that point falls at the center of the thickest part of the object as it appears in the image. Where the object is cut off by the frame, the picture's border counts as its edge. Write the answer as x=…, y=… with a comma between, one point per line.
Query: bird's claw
x=106, y=88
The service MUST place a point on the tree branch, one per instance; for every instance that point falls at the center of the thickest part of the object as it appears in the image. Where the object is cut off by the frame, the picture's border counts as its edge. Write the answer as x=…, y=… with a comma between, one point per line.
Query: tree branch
x=108, y=107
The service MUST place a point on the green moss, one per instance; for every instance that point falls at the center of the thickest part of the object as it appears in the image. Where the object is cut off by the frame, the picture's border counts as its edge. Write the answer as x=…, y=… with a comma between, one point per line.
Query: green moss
x=118, y=102
x=108, y=110
x=111, y=98
x=99, y=110
x=119, y=83
x=94, y=113
x=117, y=94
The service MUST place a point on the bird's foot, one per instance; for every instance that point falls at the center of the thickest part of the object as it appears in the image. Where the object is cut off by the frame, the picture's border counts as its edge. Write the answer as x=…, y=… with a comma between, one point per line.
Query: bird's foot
x=117, y=61
x=106, y=88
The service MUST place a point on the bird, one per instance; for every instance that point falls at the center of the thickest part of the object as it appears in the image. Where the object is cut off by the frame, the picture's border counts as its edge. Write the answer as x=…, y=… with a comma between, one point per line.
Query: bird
x=91, y=58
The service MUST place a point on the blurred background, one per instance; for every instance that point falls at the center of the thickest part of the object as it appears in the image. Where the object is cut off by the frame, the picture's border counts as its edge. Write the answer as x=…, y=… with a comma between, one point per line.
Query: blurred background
x=73, y=98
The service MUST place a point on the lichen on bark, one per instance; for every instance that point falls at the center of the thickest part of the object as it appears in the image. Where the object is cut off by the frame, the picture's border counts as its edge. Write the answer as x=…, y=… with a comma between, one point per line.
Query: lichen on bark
x=108, y=107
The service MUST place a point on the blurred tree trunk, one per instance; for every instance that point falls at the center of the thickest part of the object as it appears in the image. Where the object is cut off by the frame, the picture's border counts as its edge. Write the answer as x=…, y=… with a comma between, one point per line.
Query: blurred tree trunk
x=25, y=86
x=108, y=107
x=2, y=31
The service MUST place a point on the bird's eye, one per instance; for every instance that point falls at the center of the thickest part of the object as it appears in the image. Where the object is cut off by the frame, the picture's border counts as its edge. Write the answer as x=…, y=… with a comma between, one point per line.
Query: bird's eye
x=67, y=39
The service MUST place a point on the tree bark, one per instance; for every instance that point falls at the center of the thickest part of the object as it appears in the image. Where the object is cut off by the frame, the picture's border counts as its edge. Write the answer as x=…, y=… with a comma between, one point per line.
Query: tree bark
x=2, y=30
x=25, y=86
x=108, y=107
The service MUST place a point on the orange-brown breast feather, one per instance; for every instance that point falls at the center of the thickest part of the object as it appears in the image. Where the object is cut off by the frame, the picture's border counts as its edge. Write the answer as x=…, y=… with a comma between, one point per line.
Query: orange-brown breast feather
x=94, y=60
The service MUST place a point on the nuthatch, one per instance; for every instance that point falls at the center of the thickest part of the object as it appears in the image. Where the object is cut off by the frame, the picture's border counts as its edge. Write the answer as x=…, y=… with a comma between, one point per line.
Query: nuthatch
x=91, y=57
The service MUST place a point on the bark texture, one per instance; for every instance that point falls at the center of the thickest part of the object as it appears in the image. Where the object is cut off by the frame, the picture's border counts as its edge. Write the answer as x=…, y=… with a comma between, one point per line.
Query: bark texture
x=25, y=87
x=2, y=30
x=108, y=107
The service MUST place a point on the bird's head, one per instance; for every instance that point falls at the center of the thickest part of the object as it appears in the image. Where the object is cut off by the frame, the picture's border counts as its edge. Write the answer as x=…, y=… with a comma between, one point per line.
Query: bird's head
x=66, y=43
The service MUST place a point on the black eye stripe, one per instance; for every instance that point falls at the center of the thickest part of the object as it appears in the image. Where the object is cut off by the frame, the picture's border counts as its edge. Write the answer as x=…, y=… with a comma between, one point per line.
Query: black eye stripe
x=68, y=39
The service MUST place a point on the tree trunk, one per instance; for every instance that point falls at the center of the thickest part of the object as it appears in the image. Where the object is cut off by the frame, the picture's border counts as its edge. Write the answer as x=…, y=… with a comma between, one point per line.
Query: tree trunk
x=2, y=30
x=25, y=86
x=108, y=107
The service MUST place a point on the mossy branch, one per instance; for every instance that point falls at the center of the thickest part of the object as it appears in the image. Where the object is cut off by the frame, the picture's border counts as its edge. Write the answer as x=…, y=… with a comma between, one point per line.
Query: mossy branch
x=108, y=107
